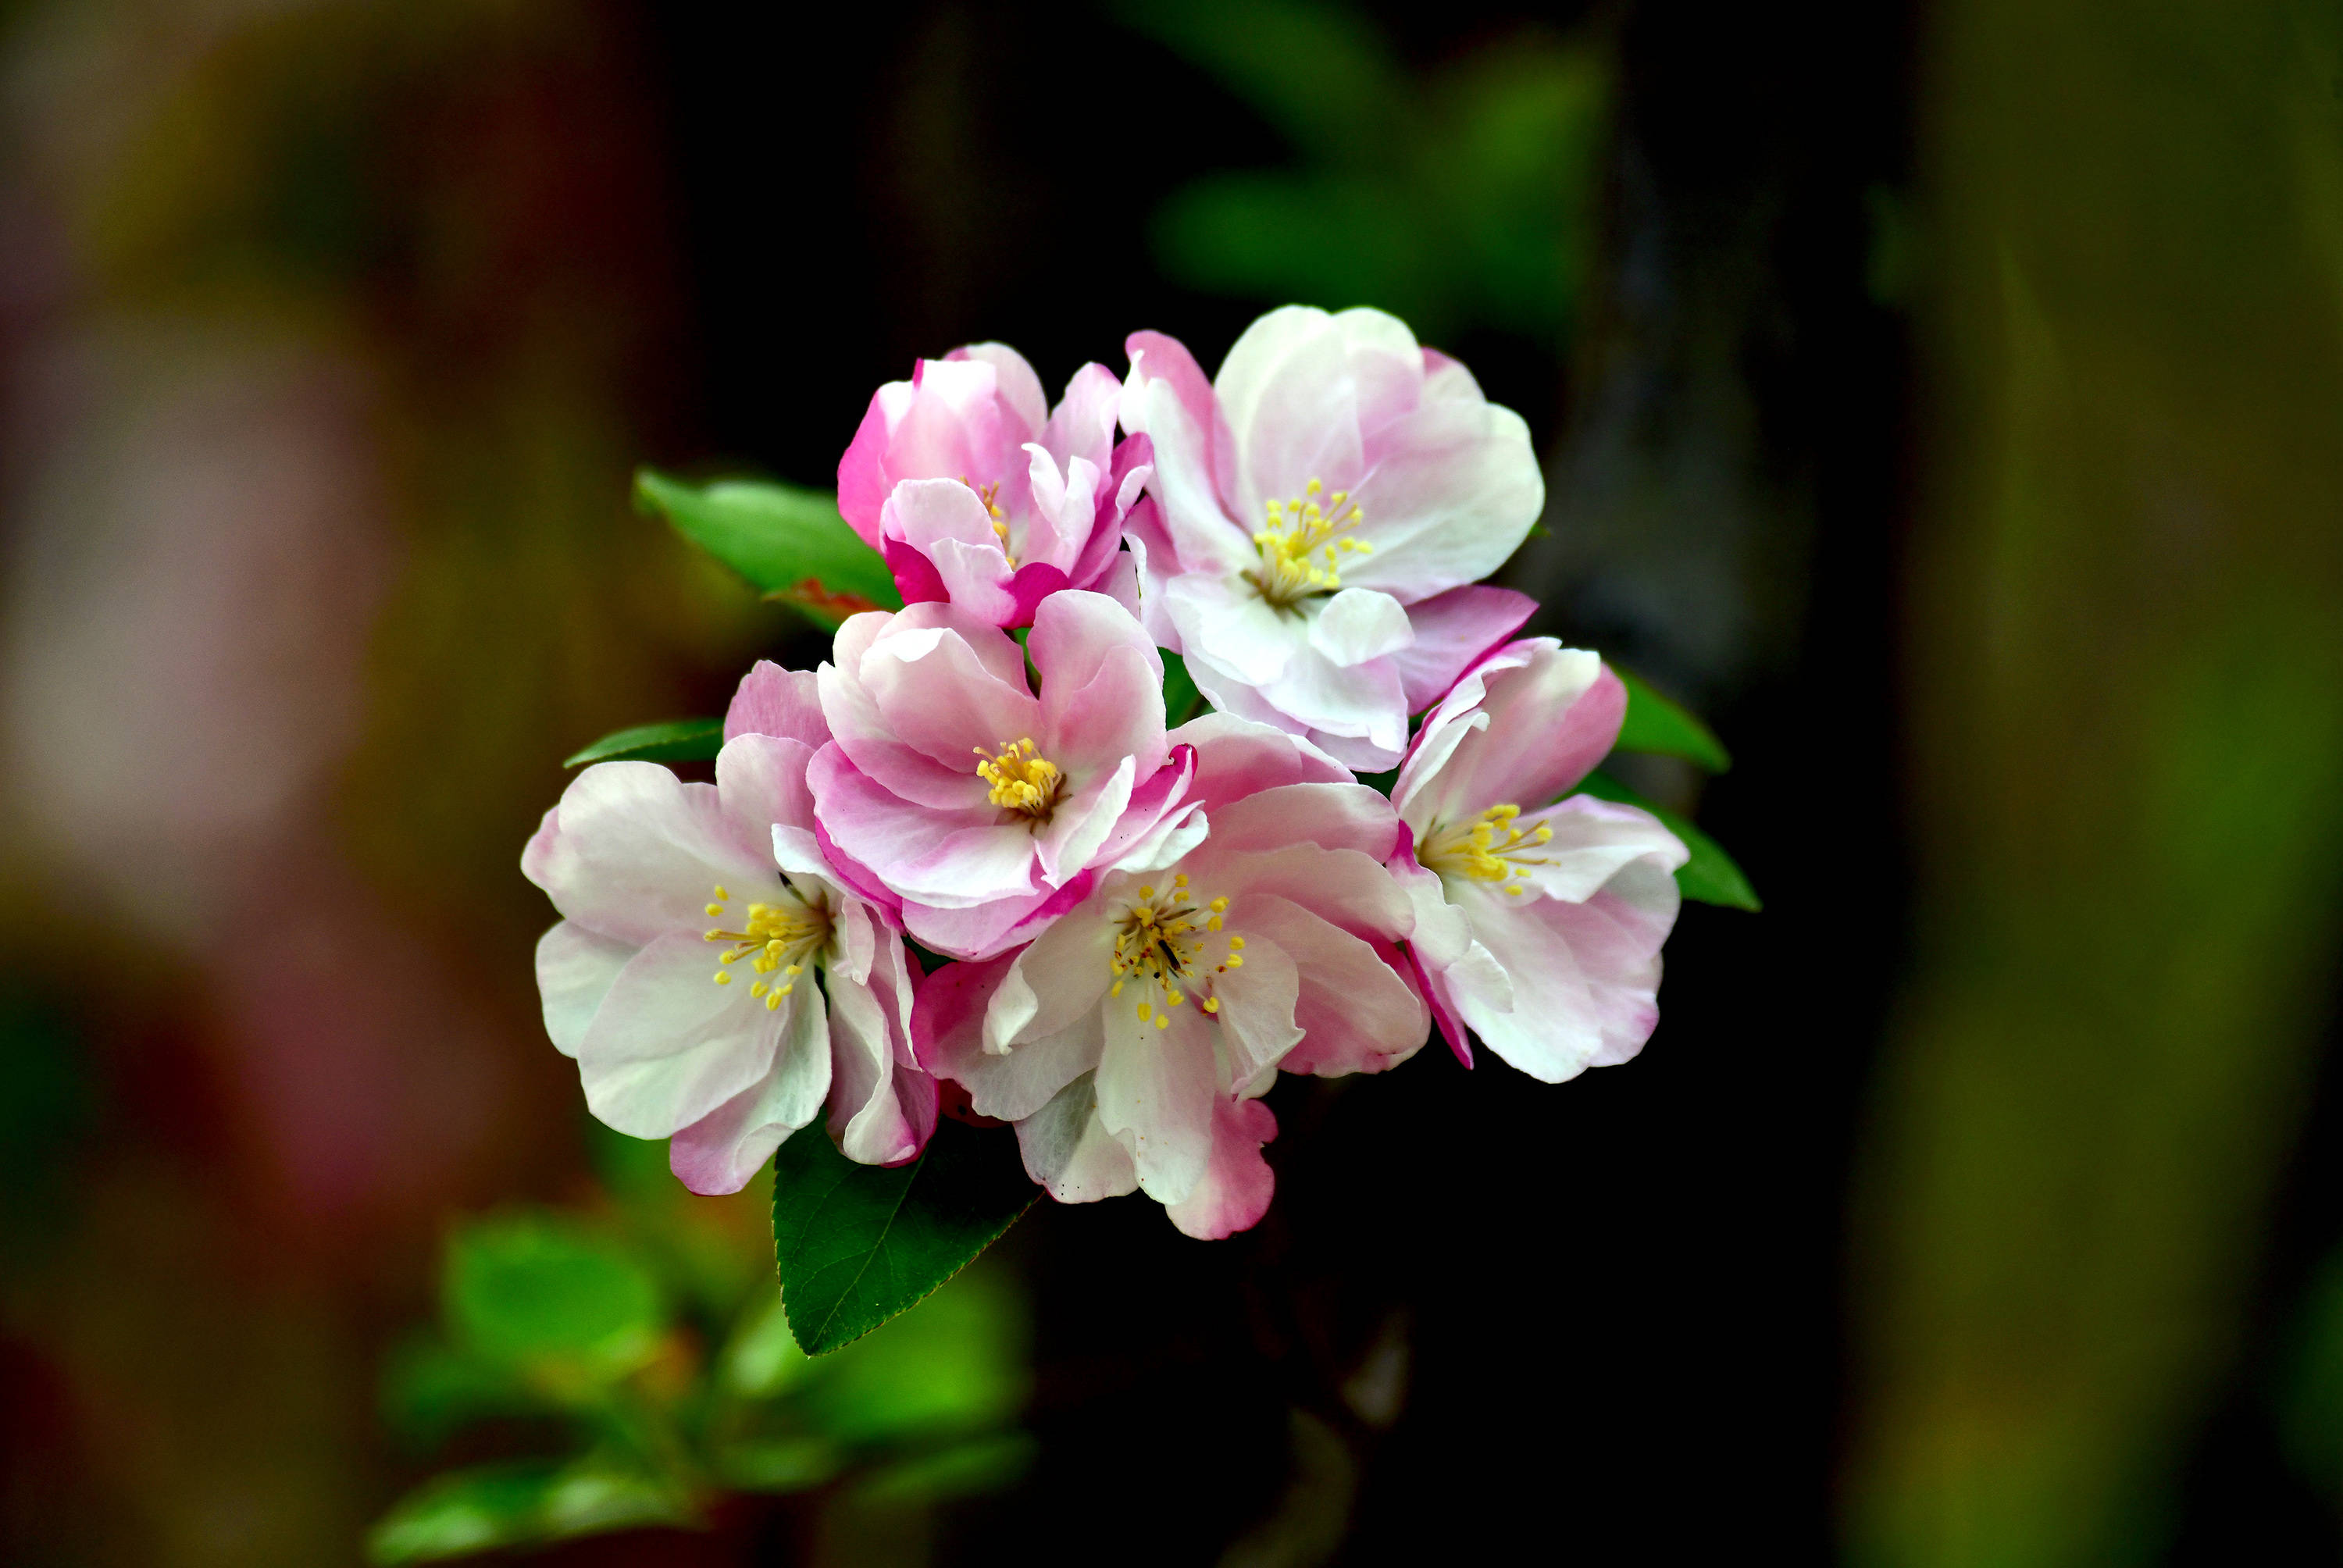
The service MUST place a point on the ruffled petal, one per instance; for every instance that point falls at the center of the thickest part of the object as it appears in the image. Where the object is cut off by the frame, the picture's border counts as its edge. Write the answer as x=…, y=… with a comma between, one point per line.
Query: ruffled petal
x=1355, y=1012
x=668, y=1045
x=1234, y=1190
x=1155, y=1094
x=1068, y=1150
x=632, y=852
x=1453, y=631
x=776, y=701
x=575, y=970
x=720, y=1151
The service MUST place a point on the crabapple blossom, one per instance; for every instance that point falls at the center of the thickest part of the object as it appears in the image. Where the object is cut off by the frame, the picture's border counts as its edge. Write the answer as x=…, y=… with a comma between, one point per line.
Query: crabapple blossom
x=695, y=917
x=978, y=808
x=1538, y=926
x=978, y=493
x=1319, y=514
x=1130, y=1041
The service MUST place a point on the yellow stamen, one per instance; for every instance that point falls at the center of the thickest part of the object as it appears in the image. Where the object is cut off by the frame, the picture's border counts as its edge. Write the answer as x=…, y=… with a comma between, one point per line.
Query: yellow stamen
x=1023, y=780
x=1301, y=544
x=783, y=937
x=1489, y=849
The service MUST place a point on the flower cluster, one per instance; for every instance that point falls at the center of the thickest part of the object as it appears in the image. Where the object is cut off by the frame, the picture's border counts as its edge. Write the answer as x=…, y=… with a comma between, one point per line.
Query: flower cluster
x=1136, y=924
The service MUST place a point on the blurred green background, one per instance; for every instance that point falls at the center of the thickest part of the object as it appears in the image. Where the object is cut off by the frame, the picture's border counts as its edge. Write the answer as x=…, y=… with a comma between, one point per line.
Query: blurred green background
x=1948, y=400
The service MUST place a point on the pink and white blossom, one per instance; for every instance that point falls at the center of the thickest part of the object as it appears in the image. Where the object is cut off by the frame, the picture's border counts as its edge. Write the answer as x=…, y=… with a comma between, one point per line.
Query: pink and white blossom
x=1131, y=1041
x=1318, y=515
x=981, y=495
x=1537, y=926
x=978, y=808
x=695, y=917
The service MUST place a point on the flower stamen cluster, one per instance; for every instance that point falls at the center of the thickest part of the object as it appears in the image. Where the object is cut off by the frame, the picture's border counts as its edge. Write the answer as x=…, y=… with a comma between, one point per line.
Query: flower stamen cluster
x=1023, y=780
x=1160, y=940
x=991, y=496
x=777, y=939
x=1298, y=531
x=1477, y=851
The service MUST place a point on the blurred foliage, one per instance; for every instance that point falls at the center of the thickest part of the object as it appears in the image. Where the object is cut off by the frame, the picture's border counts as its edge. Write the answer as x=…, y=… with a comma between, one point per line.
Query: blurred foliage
x=2126, y=764
x=2310, y=1387
x=1456, y=199
x=645, y=1341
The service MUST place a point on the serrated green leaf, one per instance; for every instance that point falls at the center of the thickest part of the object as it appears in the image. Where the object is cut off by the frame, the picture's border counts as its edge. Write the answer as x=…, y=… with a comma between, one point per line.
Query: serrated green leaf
x=1658, y=725
x=470, y=1511
x=1710, y=876
x=787, y=541
x=859, y=1244
x=534, y=1291
x=1181, y=700
x=671, y=740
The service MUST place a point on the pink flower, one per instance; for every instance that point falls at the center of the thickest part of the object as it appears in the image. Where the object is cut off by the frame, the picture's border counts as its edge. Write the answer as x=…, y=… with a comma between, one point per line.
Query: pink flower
x=1537, y=925
x=979, y=495
x=1324, y=505
x=979, y=809
x=695, y=919
x=1131, y=1041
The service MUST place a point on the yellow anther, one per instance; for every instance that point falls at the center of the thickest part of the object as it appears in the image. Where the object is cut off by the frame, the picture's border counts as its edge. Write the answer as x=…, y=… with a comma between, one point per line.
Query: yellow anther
x=1210, y=1004
x=1023, y=780
x=1491, y=848
x=773, y=1002
x=1236, y=944
x=722, y=896
x=1144, y=1011
x=784, y=936
x=1218, y=906
x=1303, y=543
x=715, y=908
x=1178, y=878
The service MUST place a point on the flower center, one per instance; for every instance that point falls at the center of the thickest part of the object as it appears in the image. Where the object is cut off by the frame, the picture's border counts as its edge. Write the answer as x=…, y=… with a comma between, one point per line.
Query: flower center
x=1489, y=849
x=783, y=937
x=1300, y=535
x=1022, y=779
x=988, y=494
x=1160, y=944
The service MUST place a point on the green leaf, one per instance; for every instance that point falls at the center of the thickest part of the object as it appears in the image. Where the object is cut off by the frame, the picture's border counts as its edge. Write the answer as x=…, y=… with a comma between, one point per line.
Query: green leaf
x=787, y=541
x=570, y=1306
x=470, y=1511
x=1181, y=700
x=778, y=1465
x=430, y=1389
x=1710, y=876
x=859, y=1244
x=1658, y=725
x=675, y=740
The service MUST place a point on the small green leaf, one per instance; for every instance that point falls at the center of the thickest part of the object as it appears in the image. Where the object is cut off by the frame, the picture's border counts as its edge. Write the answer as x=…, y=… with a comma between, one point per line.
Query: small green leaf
x=470, y=1511
x=787, y=541
x=675, y=740
x=1658, y=725
x=429, y=1388
x=1710, y=876
x=858, y=1245
x=535, y=1292
x=1181, y=700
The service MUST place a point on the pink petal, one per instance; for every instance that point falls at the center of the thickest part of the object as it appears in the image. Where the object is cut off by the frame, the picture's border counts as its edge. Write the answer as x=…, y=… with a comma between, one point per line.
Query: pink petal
x=720, y=1151
x=1586, y=976
x=1236, y=758
x=633, y=852
x=948, y=1016
x=1453, y=631
x=1519, y=728
x=1355, y=1013
x=1155, y=1093
x=950, y=859
x=1234, y=1190
x=1454, y=489
x=1070, y=1152
x=760, y=779
x=575, y=970
x=668, y=1045
x=1023, y=405
x=776, y=701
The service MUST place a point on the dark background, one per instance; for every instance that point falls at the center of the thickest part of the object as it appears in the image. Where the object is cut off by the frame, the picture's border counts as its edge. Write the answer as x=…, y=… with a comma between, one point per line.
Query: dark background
x=1846, y=1265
